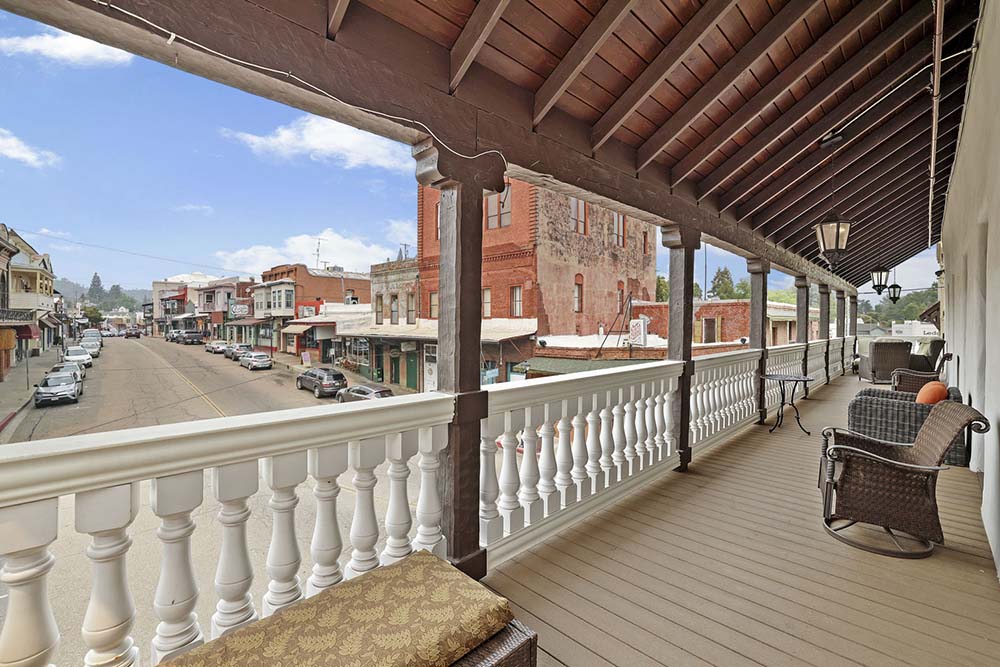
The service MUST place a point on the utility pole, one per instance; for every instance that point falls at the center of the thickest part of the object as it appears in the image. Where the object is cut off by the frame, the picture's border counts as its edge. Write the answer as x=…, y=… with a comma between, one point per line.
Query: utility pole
x=318, y=241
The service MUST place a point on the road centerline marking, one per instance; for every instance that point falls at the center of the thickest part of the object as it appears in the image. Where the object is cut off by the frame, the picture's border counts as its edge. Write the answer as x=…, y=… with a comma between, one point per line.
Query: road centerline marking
x=198, y=391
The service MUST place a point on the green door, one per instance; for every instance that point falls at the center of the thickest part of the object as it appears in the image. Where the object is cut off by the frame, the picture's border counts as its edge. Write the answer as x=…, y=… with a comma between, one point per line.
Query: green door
x=394, y=370
x=411, y=370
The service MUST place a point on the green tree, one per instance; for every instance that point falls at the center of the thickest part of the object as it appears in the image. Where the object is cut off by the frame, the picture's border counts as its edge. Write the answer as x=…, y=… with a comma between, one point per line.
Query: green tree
x=696, y=291
x=662, y=289
x=93, y=314
x=96, y=292
x=722, y=284
x=115, y=293
x=742, y=289
x=909, y=306
x=786, y=295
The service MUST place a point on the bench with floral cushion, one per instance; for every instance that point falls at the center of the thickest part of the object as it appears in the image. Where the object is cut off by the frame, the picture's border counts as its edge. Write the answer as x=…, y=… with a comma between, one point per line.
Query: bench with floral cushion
x=418, y=612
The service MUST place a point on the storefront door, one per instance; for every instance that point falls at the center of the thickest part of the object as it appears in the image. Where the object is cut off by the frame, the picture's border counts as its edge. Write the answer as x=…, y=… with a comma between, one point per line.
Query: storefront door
x=411, y=370
x=394, y=370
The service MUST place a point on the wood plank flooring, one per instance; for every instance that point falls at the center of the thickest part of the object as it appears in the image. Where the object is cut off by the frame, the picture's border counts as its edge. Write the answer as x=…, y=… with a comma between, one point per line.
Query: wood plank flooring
x=728, y=564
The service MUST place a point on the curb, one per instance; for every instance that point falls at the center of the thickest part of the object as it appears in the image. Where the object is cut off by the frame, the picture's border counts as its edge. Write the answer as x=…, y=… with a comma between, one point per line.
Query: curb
x=5, y=422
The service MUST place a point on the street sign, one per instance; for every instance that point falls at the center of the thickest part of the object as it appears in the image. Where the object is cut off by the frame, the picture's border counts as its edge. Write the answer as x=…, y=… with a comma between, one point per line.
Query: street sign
x=239, y=310
x=637, y=332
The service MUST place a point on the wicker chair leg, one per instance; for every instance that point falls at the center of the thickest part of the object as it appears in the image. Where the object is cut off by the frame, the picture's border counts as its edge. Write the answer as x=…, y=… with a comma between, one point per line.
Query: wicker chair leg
x=834, y=527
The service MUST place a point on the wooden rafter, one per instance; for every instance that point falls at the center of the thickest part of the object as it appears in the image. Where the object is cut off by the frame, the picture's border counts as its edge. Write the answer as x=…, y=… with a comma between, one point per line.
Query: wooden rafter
x=583, y=49
x=841, y=31
x=710, y=91
x=859, y=267
x=878, y=85
x=335, y=11
x=473, y=36
x=675, y=51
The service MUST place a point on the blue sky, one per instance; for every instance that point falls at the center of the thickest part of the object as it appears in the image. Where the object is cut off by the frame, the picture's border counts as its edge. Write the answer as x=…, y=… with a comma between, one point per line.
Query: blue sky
x=100, y=147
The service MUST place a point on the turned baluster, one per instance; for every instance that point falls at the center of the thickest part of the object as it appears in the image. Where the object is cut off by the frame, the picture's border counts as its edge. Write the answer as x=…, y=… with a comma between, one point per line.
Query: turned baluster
x=325, y=465
x=173, y=499
x=490, y=521
x=618, y=435
x=364, y=457
x=233, y=485
x=508, y=503
x=595, y=475
x=430, y=441
x=564, y=456
x=399, y=449
x=650, y=412
x=547, y=459
x=528, y=493
x=29, y=636
x=659, y=419
x=609, y=472
x=640, y=426
x=579, y=471
x=631, y=466
x=282, y=474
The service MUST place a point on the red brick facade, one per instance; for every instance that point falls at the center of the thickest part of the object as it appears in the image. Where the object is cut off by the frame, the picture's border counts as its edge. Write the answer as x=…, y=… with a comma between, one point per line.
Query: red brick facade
x=728, y=321
x=322, y=286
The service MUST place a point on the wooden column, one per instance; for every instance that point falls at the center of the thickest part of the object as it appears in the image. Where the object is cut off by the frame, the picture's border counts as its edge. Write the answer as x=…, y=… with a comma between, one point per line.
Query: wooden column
x=841, y=314
x=758, y=270
x=802, y=321
x=461, y=182
x=852, y=316
x=824, y=326
x=682, y=242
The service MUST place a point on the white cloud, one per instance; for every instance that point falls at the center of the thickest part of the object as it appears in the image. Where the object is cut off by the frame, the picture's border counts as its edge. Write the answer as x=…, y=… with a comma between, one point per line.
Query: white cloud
x=324, y=139
x=65, y=48
x=402, y=231
x=15, y=149
x=353, y=253
x=45, y=231
x=203, y=209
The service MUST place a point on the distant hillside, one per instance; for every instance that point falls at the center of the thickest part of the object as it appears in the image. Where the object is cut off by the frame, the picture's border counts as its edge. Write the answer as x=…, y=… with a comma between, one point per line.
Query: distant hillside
x=73, y=291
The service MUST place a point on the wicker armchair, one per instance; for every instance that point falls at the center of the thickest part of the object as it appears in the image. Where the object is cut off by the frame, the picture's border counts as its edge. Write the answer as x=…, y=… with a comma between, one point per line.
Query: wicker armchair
x=891, y=485
x=907, y=379
x=927, y=362
x=884, y=356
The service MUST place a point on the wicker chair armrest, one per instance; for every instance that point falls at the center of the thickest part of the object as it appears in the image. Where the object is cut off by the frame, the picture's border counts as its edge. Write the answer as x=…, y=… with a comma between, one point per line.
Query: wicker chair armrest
x=843, y=437
x=888, y=393
x=834, y=453
x=904, y=379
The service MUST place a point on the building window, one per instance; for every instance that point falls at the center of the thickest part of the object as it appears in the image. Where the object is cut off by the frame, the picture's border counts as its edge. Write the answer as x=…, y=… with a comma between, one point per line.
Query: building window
x=515, y=301
x=411, y=308
x=621, y=297
x=578, y=215
x=433, y=305
x=437, y=219
x=645, y=242
x=394, y=309
x=710, y=327
x=498, y=210
x=378, y=309
x=618, y=222
x=578, y=294
x=289, y=298
x=487, y=302
x=209, y=298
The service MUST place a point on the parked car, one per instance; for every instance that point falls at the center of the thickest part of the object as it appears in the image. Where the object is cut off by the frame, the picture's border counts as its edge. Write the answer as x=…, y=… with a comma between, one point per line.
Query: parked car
x=172, y=335
x=58, y=387
x=191, y=338
x=108, y=333
x=216, y=346
x=78, y=355
x=321, y=381
x=92, y=335
x=132, y=333
x=92, y=346
x=362, y=392
x=256, y=360
x=235, y=350
x=121, y=333
x=70, y=367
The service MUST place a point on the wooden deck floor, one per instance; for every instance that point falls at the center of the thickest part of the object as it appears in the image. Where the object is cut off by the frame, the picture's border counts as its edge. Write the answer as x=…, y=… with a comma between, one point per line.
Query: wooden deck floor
x=728, y=564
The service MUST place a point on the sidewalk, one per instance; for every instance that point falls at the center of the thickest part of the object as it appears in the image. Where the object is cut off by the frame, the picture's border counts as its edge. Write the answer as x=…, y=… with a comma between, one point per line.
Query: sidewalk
x=293, y=364
x=16, y=392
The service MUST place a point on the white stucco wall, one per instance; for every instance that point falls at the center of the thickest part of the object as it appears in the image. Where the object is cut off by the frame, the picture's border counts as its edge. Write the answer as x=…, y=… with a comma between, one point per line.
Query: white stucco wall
x=971, y=248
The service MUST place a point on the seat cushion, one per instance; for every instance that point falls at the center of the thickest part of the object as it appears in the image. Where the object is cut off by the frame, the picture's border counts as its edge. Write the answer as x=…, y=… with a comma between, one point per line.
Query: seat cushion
x=932, y=392
x=418, y=612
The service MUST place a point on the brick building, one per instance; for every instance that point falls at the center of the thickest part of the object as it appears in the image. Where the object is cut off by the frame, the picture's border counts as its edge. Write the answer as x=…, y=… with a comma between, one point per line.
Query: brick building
x=728, y=320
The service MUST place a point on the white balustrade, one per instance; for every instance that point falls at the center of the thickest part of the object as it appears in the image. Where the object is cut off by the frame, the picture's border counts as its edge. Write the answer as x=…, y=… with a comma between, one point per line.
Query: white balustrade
x=816, y=363
x=783, y=360
x=565, y=488
x=595, y=476
x=490, y=521
x=400, y=448
x=581, y=479
x=282, y=474
x=509, y=505
x=173, y=499
x=105, y=515
x=631, y=466
x=364, y=456
x=609, y=471
x=640, y=426
x=527, y=495
x=325, y=466
x=233, y=484
x=431, y=440
x=652, y=450
x=722, y=393
x=547, y=459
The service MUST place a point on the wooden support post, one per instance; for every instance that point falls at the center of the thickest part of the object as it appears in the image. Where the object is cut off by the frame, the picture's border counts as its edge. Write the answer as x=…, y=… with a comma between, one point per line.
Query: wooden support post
x=758, y=270
x=841, y=331
x=824, y=326
x=852, y=322
x=461, y=182
x=802, y=321
x=682, y=241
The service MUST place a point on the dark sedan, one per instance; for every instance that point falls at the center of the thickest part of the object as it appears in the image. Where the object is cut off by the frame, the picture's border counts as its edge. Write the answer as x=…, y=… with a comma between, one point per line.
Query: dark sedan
x=321, y=381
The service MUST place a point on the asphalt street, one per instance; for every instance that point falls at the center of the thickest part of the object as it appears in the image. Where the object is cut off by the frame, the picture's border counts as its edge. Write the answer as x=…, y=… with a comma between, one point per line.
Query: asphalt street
x=148, y=381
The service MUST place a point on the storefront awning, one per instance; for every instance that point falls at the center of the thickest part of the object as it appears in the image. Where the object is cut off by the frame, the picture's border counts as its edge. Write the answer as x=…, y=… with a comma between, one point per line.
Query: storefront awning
x=50, y=321
x=296, y=329
x=245, y=322
x=26, y=331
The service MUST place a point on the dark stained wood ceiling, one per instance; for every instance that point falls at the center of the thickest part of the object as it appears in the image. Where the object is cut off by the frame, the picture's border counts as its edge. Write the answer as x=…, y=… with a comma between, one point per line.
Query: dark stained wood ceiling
x=733, y=97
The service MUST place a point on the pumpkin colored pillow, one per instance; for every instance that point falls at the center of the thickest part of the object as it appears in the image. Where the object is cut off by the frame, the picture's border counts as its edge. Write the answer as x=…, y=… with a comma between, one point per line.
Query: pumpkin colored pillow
x=932, y=392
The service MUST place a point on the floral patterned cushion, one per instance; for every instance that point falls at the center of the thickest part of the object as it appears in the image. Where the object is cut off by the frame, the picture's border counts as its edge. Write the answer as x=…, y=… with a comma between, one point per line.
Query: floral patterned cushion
x=418, y=612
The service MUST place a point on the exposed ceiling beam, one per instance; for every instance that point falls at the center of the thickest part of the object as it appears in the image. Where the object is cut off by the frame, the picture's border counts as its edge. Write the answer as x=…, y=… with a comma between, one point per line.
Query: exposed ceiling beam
x=899, y=252
x=887, y=138
x=811, y=58
x=897, y=231
x=912, y=94
x=861, y=276
x=583, y=49
x=675, y=51
x=791, y=14
x=823, y=91
x=474, y=34
x=335, y=10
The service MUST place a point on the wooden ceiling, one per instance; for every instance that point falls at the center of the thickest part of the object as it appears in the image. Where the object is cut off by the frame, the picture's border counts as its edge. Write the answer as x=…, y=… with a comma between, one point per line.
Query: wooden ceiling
x=731, y=98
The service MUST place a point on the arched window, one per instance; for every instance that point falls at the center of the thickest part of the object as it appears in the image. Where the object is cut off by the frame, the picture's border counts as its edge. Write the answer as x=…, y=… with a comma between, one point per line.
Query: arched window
x=578, y=293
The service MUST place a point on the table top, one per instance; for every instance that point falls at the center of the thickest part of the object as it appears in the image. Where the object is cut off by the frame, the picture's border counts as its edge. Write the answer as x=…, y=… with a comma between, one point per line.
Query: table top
x=780, y=377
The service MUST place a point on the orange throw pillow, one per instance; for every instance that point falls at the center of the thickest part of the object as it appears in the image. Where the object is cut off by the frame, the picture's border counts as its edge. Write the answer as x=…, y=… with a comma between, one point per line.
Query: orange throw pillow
x=932, y=392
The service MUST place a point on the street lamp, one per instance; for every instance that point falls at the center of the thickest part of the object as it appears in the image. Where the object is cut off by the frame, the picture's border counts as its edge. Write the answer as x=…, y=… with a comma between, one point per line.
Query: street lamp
x=831, y=234
x=880, y=279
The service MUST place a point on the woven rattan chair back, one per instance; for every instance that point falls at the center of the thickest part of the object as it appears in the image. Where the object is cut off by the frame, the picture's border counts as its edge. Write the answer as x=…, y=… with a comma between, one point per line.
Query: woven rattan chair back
x=945, y=422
